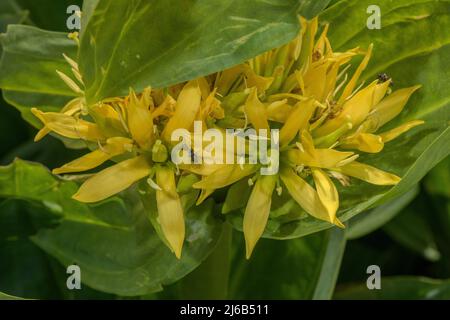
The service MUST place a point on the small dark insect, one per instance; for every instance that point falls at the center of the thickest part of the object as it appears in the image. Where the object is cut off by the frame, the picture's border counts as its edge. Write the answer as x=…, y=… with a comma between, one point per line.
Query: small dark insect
x=383, y=77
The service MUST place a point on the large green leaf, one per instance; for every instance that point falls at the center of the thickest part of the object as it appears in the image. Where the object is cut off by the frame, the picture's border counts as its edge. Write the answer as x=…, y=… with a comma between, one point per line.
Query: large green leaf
x=28, y=67
x=369, y=221
x=305, y=268
x=27, y=271
x=139, y=44
x=113, y=242
x=413, y=47
x=412, y=230
x=399, y=288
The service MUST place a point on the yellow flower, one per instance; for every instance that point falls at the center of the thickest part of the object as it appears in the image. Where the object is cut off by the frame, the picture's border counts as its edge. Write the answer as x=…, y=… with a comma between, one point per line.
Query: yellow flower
x=325, y=120
x=304, y=86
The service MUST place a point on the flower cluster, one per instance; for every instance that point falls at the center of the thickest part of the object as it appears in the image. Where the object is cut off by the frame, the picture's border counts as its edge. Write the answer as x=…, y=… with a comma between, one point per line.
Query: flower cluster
x=325, y=117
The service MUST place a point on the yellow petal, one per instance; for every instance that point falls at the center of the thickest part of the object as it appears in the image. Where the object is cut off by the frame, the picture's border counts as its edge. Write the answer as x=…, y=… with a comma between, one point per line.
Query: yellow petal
x=297, y=121
x=170, y=211
x=380, y=92
x=68, y=126
x=113, y=180
x=315, y=81
x=309, y=156
x=226, y=176
x=201, y=169
x=327, y=192
x=253, y=80
x=113, y=147
x=140, y=122
x=369, y=174
x=353, y=82
x=394, y=133
x=279, y=111
x=365, y=142
x=188, y=104
x=257, y=211
x=354, y=110
x=306, y=196
x=256, y=111
x=204, y=195
x=391, y=106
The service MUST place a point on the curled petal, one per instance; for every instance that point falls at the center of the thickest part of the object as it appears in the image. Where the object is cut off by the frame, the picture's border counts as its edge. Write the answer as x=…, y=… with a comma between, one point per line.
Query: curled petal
x=306, y=196
x=327, y=192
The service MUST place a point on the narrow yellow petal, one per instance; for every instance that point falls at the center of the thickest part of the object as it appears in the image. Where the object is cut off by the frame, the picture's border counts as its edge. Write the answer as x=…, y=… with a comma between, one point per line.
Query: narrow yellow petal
x=297, y=121
x=253, y=80
x=113, y=180
x=306, y=196
x=327, y=192
x=257, y=211
x=170, y=211
x=391, y=106
x=365, y=142
x=69, y=82
x=113, y=147
x=226, y=176
x=204, y=195
x=394, y=133
x=140, y=122
x=380, y=92
x=369, y=174
x=256, y=111
x=68, y=126
x=309, y=156
x=188, y=104
x=354, y=80
x=279, y=111
x=354, y=110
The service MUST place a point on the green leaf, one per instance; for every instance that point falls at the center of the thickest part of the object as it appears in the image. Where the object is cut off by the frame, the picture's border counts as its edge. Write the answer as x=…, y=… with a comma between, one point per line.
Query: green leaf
x=437, y=181
x=412, y=230
x=11, y=13
x=4, y=296
x=399, y=288
x=113, y=242
x=28, y=67
x=27, y=271
x=413, y=47
x=371, y=220
x=138, y=44
x=306, y=269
